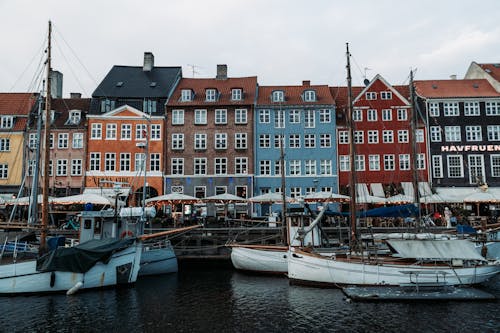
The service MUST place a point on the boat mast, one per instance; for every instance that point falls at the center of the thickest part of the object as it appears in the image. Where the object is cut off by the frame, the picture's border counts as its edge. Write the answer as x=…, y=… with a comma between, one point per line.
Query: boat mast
x=352, y=179
x=414, y=156
x=284, y=221
x=146, y=154
x=46, y=156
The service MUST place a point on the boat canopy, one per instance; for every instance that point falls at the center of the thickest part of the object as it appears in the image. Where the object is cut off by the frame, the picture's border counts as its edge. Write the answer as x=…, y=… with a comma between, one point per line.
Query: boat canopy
x=435, y=249
x=81, y=258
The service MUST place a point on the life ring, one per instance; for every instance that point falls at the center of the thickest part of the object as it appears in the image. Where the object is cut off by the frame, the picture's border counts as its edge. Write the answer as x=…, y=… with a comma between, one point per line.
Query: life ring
x=126, y=233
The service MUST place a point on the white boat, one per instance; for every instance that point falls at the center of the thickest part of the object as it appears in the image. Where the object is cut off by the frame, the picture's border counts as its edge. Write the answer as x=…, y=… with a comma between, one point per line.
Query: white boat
x=271, y=259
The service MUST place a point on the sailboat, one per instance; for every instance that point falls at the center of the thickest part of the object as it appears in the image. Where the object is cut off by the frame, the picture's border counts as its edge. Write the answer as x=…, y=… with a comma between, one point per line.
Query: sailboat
x=93, y=264
x=412, y=262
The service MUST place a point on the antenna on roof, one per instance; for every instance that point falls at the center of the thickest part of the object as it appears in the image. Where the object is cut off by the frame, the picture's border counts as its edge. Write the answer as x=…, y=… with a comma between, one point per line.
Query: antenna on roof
x=193, y=69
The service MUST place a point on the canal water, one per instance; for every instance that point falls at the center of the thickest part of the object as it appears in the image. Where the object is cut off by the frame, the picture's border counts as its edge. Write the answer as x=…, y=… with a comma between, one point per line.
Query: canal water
x=219, y=299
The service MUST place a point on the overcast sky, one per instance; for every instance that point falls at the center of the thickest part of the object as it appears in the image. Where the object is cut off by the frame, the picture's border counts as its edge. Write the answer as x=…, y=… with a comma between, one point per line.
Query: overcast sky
x=280, y=41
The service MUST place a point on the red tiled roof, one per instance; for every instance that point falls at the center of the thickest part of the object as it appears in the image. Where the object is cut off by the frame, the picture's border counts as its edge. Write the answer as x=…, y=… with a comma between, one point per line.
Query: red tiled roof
x=16, y=103
x=293, y=94
x=492, y=69
x=455, y=88
x=19, y=125
x=247, y=84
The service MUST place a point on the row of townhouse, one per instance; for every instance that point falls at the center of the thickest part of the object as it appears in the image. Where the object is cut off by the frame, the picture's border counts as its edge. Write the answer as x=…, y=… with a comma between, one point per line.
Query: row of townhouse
x=209, y=136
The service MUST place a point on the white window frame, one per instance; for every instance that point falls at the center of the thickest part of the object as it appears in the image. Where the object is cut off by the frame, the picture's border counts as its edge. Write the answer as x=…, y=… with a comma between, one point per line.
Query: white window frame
x=177, y=117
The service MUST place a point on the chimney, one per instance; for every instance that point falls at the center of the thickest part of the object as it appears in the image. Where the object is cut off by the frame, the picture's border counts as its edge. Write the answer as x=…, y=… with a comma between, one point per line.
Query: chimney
x=453, y=76
x=149, y=62
x=75, y=95
x=306, y=83
x=221, y=72
x=56, y=81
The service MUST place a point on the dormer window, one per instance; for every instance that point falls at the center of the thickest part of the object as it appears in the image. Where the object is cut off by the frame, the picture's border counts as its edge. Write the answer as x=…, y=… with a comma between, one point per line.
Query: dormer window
x=278, y=96
x=186, y=95
x=236, y=94
x=107, y=105
x=309, y=96
x=6, y=122
x=52, y=116
x=74, y=117
x=210, y=95
x=149, y=106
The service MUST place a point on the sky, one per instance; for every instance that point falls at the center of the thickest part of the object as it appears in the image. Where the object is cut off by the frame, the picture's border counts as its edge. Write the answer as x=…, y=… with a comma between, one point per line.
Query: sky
x=282, y=42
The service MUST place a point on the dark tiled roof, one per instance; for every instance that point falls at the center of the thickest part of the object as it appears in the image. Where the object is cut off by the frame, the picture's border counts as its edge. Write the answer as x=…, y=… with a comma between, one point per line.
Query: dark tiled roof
x=62, y=108
x=455, y=88
x=223, y=87
x=136, y=83
x=293, y=95
x=492, y=69
x=16, y=103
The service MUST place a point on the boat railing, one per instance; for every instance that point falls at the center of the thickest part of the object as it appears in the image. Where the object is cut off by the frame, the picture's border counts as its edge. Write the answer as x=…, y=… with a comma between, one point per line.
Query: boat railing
x=440, y=278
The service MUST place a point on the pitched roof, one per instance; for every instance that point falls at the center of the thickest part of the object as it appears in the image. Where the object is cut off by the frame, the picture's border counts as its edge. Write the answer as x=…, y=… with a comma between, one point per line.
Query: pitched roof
x=455, y=88
x=16, y=103
x=293, y=95
x=223, y=87
x=133, y=81
x=62, y=108
x=492, y=69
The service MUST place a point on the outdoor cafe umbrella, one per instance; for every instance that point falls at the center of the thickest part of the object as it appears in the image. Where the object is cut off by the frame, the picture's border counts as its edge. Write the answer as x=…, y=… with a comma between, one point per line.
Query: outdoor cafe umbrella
x=173, y=199
x=225, y=199
x=81, y=199
x=325, y=196
x=269, y=198
x=481, y=196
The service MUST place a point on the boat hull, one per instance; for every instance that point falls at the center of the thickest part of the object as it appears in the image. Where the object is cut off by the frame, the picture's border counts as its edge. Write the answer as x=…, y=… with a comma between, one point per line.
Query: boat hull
x=158, y=260
x=23, y=278
x=271, y=261
x=314, y=269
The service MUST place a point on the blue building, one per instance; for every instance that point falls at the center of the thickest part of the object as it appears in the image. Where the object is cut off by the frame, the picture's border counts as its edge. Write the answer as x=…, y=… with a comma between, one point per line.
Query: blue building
x=302, y=118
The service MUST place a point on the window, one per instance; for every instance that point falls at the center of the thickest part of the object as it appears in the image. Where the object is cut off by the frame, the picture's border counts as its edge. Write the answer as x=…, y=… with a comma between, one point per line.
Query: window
x=294, y=116
x=221, y=116
x=265, y=167
x=358, y=137
x=437, y=166
x=402, y=136
x=373, y=136
x=240, y=116
x=124, y=161
x=155, y=162
x=325, y=140
x=309, y=96
x=278, y=96
x=200, y=141
x=110, y=131
x=240, y=140
x=277, y=167
x=385, y=95
x=62, y=140
x=5, y=144
x=435, y=133
x=309, y=140
x=51, y=168
x=310, y=168
x=177, y=117
x=6, y=122
x=236, y=94
x=473, y=133
x=357, y=115
x=419, y=135
x=126, y=132
x=4, y=171
x=155, y=132
x=200, y=166
x=76, y=167
x=200, y=192
x=107, y=105
x=109, y=162
x=450, y=109
x=452, y=133
x=241, y=165
x=140, y=160
x=177, y=141
x=309, y=121
x=371, y=95
x=404, y=162
x=186, y=95
x=434, y=109
x=343, y=137
x=371, y=115
x=279, y=139
x=344, y=163
x=220, y=140
x=210, y=95
x=471, y=109
x=31, y=167
x=421, y=161
x=374, y=162
x=177, y=166
x=74, y=117
x=200, y=117
x=493, y=108
x=325, y=116
x=389, y=163
x=493, y=132
x=149, y=106
x=476, y=169
x=77, y=140
x=386, y=114
x=279, y=118
x=96, y=131
x=495, y=165
x=32, y=141
x=295, y=192
x=95, y=161
x=455, y=166
x=264, y=141
x=359, y=162
x=325, y=167
x=402, y=114
x=141, y=132
x=51, y=141
x=62, y=168
x=220, y=166
x=264, y=116
x=295, y=168
x=294, y=141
